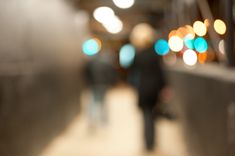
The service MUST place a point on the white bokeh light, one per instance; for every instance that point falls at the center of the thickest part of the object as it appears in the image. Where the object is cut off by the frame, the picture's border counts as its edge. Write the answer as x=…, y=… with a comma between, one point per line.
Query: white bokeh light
x=190, y=57
x=106, y=16
x=176, y=44
x=199, y=28
x=222, y=47
x=103, y=14
x=124, y=4
x=113, y=25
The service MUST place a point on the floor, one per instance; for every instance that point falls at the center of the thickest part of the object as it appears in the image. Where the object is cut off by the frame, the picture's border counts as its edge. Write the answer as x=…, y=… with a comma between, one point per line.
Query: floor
x=121, y=135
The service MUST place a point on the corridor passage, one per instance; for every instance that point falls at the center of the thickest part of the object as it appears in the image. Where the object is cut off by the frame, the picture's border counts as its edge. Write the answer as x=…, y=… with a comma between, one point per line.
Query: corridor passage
x=120, y=136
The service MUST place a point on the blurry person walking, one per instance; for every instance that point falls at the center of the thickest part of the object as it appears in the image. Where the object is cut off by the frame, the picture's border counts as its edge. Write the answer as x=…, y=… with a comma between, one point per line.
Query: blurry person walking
x=147, y=76
x=100, y=75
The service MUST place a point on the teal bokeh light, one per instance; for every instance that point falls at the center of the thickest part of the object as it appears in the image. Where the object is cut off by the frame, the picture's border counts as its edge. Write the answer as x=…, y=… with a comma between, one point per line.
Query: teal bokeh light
x=161, y=47
x=200, y=45
x=127, y=55
x=189, y=42
x=90, y=47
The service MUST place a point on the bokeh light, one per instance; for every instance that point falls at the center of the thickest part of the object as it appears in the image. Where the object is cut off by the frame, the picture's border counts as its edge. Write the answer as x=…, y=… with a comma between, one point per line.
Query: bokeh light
x=176, y=44
x=91, y=47
x=202, y=57
x=182, y=32
x=172, y=33
x=189, y=42
x=141, y=35
x=108, y=19
x=199, y=28
x=113, y=25
x=124, y=4
x=161, y=47
x=190, y=57
x=102, y=14
x=126, y=55
x=200, y=45
x=190, y=31
x=220, y=27
x=221, y=47
x=207, y=22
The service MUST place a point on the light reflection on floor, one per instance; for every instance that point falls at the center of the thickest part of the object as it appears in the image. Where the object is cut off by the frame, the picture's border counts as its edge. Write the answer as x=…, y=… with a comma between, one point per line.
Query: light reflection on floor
x=122, y=136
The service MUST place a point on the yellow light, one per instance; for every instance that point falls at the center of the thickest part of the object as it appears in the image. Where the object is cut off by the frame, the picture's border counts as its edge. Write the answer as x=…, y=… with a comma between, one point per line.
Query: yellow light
x=142, y=34
x=207, y=22
x=199, y=28
x=190, y=57
x=176, y=43
x=220, y=27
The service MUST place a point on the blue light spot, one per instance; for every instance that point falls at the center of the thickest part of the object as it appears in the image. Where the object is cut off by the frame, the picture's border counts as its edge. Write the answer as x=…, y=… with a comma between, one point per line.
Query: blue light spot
x=161, y=47
x=200, y=45
x=189, y=43
x=90, y=47
x=126, y=55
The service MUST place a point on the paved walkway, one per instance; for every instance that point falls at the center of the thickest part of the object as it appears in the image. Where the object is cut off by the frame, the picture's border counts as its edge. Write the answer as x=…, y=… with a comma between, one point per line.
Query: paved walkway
x=121, y=136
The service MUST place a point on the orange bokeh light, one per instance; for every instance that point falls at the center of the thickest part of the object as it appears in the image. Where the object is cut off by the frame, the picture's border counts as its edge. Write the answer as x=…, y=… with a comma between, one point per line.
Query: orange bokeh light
x=190, y=31
x=207, y=22
x=202, y=57
x=182, y=32
x=172, y=33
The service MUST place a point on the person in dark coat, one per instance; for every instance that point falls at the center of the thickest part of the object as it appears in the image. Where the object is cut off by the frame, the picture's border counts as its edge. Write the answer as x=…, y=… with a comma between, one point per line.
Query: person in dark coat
x=148, y=78
x=100, y=75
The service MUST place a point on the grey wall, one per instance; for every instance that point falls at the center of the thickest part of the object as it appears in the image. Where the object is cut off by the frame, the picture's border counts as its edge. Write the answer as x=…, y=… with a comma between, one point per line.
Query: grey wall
x=205, y=100
x=34, y=108
x=40, y=57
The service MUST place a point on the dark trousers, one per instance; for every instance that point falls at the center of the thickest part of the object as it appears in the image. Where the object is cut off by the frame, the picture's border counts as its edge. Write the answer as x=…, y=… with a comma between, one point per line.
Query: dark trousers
x=149, y=128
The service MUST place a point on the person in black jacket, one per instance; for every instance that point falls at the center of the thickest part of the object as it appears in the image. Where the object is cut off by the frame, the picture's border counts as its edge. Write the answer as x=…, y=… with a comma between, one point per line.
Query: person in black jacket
x=100, y=76
x=148, y=78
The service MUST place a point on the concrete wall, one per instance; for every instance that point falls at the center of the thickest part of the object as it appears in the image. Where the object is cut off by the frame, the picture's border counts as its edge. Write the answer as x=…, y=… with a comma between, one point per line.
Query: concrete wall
x=205, y=100
x=34, y=108
x=40, y=57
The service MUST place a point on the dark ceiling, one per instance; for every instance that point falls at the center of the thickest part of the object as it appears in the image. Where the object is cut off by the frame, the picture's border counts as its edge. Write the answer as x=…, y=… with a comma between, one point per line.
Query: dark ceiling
x=149, y=11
